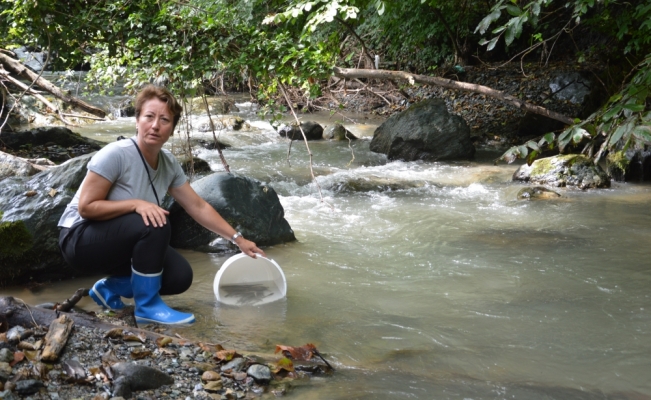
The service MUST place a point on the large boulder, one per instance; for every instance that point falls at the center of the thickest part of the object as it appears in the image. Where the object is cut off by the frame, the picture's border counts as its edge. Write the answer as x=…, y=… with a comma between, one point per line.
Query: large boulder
x=249, y=206
x=564, y=170
x=425, y=131
x=312, y=130
x=31, y=208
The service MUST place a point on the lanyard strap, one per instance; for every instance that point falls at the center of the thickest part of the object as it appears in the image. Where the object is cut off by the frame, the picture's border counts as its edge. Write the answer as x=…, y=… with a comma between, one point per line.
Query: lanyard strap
x=146, y=170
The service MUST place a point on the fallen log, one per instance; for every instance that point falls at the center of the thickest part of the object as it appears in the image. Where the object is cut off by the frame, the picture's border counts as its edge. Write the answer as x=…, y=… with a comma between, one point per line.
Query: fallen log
x=19, y=313
x=17, y=68
x=351, y=73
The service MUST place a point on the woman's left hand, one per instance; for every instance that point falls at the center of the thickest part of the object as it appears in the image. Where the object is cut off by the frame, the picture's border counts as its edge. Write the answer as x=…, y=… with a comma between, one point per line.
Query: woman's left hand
x=248, y=247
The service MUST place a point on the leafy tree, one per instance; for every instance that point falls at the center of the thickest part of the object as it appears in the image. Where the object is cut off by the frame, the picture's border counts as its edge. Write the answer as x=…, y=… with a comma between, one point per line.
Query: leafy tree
x=624, y=121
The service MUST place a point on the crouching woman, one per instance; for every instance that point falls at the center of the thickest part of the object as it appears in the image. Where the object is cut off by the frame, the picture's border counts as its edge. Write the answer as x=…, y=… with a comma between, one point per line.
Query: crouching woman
x=115, y=224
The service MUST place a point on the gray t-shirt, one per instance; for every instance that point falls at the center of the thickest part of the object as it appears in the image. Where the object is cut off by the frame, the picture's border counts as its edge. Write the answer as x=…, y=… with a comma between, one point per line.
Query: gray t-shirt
x=120, y=163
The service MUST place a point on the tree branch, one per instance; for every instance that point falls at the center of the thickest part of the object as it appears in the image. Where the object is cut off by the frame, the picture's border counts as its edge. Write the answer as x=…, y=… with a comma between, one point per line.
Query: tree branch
x=349, y=73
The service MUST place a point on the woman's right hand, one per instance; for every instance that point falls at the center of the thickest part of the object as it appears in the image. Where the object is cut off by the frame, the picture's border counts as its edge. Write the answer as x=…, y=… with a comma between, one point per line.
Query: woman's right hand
x=151, y=213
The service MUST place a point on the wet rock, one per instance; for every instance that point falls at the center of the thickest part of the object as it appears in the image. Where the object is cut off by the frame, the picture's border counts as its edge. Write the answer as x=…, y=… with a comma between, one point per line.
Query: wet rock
x=337, y=132
x=261, y=373
x=312, y=130
x=536, y=193
x=6, y=355
x=571, y=86
x=564, y=170
x=250, y=207
x=130, y=377
x=8, y=395
x=28, y=386
x=48, y=136
x=5, y=370
x=31, y=209
x=376, y=184
x=15, y=166
x=425, y=131
x=234, y=365
x=634, y=165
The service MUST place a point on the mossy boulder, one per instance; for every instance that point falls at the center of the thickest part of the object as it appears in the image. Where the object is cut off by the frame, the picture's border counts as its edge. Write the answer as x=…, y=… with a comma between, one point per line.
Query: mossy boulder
x=564, y=170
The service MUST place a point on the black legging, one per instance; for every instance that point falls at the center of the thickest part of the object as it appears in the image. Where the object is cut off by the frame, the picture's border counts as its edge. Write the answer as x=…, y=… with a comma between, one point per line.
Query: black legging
x=110, y=247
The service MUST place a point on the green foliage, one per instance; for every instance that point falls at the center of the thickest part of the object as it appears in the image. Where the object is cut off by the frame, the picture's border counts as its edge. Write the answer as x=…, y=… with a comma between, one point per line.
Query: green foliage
x=623, y=122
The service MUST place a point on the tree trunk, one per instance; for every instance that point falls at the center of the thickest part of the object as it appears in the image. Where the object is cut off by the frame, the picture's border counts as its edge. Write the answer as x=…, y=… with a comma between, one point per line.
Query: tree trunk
x=349, y=73
x=17, y=68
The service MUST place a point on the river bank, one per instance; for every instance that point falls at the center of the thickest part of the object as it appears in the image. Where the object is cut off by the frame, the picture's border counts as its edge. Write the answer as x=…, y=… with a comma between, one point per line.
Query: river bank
x=443, y=287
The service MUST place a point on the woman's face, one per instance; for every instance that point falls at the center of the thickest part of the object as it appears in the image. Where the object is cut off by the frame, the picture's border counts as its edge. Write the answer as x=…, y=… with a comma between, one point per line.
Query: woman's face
x=155, y=124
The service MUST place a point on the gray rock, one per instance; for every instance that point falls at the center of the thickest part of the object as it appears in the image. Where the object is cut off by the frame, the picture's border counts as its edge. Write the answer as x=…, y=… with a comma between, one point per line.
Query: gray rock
x=571, y=86
x=425, y=131
x=28, y=386
x=312, y=130
x=129, y=377
x=261, y=373
x=6, y=355
x=537, y=193
x=8, y=395
x=337, y=132
x=250, y=207
x=234, y=365
x=15, y=166
x=564, y=170
x=31, y=209
x=632, y=166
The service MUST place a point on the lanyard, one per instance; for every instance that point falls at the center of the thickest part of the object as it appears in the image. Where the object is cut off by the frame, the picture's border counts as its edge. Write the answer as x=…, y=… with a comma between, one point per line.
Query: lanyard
x=146, y=170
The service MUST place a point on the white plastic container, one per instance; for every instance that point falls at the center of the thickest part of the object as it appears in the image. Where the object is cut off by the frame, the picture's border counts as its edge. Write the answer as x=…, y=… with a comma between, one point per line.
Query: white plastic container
x=243, y=280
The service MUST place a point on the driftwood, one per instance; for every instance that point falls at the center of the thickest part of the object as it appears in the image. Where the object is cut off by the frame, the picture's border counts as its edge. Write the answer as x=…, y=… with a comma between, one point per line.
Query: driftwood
x=381, y=74
x=17, y=68
x=56, y=338
x=19, y=313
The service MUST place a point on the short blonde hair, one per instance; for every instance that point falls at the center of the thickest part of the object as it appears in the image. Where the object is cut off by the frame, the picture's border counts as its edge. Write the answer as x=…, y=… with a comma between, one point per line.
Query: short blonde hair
x=150, y=92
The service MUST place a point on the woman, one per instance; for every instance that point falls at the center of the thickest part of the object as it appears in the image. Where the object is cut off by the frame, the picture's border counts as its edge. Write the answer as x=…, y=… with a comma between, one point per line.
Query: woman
x=115, y=224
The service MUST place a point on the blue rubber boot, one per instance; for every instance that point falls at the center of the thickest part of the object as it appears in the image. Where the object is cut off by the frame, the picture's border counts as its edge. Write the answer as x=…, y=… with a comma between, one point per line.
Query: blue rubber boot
x=107, y=292
x=150, y=308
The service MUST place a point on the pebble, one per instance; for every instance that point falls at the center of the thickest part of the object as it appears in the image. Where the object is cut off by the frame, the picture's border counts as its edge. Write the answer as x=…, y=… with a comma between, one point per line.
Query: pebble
x=178, y=371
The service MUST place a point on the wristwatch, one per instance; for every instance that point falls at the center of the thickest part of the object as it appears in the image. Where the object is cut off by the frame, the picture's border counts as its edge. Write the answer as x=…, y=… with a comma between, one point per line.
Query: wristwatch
x=235, y=236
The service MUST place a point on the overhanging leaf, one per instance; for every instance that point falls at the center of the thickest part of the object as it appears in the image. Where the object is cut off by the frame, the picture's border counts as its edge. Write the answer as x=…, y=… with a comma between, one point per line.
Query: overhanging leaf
x=642, y=133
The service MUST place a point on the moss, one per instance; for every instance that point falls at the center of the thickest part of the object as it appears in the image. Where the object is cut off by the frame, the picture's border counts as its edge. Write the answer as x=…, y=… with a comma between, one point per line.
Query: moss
x=618, y=160
x=544, y=166
x=15, y=239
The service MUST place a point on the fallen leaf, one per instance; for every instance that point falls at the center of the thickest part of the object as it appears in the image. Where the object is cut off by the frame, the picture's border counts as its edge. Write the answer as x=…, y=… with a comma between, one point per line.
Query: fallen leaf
x=52, y=192
x=226, y=355
x=139, y=354
x=114, y=333
x=18, y=357
x=31, y=193
x=303, y=353
x=163, y=341
x=284, y=364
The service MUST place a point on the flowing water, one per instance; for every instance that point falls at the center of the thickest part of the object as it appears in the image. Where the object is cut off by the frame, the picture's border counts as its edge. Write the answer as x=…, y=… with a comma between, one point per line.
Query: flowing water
x=430, y=280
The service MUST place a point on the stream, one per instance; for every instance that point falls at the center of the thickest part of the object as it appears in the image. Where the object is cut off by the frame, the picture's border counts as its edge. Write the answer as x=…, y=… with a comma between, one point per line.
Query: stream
x=430, y=280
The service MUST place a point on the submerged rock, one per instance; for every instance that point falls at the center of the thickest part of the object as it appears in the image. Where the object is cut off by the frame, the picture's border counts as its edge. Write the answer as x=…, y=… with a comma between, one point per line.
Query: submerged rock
x=537, y=193
x=564, y=170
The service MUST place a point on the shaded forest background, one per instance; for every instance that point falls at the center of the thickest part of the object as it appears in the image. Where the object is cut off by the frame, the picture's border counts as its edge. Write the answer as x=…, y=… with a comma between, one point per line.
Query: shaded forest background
x=204, y=47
